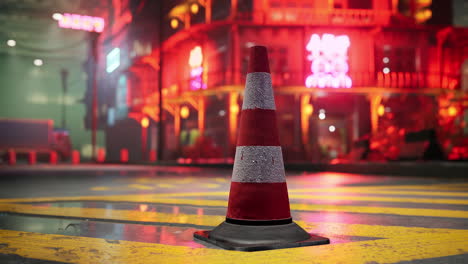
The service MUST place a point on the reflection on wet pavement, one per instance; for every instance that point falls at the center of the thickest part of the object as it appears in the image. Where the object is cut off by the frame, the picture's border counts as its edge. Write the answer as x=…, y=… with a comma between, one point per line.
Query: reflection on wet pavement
x=371, y=213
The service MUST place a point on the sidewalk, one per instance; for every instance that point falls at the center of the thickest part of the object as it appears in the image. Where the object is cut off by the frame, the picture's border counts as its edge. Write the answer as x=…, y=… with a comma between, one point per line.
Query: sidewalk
x=423, y=169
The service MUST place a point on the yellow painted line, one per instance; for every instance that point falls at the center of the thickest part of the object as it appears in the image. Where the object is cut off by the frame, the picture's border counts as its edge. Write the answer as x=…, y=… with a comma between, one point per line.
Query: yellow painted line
x=99, y=188
x=381, y=210
x=379, y=199
x=449, y=187
x=211, y=194
x=209, y=185
x=113, y=214
x=375, y=230
x=294, y=206
x=332, y=191
x=141, y=187
x=218, y=179
x=211, y=220
x=377, y=191
x=330, y=208
x=408, y=246
x=165, y=185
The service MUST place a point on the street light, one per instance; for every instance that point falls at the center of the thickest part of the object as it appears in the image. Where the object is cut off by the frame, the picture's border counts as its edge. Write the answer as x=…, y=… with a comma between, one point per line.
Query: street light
x=94, y=25
x=194, y=8
x=57, y=16
x=174, y=23
x=322, y=116
x=11, y=42
x=184, y=112
x=38, y=62
x=64, y=75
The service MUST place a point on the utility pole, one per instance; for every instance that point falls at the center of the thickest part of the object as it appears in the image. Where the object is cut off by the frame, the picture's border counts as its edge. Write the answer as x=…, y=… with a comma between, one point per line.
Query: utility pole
x=64, y=75
x=160, y=83
x=94, y=117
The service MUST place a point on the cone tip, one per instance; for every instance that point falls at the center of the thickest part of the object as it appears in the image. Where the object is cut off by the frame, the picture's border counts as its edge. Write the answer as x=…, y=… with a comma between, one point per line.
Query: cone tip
x=259, y=59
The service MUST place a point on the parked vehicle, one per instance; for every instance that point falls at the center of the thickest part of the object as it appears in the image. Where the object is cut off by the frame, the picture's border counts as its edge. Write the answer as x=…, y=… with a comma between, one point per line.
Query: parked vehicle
x=26, y=135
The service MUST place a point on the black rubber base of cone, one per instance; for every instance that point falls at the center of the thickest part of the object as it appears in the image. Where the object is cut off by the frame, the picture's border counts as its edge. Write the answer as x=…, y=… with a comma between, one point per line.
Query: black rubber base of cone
x=256, y=238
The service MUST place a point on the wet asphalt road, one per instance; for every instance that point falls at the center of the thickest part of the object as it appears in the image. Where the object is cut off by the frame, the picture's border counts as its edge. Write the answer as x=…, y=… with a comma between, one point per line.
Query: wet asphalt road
x=137, y=214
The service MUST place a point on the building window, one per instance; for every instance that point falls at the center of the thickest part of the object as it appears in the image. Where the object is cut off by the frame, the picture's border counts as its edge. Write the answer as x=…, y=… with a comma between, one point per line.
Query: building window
x=278, y=58
x=360, y=4
x=395, y=59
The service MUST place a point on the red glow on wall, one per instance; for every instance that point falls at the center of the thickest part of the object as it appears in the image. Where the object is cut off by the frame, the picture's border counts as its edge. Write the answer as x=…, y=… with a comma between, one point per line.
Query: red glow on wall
x=79, y=22
x=196, y=69
x=329, y=61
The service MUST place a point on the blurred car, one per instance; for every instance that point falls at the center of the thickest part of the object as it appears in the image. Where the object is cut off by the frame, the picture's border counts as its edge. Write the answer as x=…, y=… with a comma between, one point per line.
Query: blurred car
x=33, y=135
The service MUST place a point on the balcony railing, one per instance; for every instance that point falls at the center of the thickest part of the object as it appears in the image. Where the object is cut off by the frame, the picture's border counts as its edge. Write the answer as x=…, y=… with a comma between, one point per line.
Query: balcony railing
x=312, y=16
x=400, y=80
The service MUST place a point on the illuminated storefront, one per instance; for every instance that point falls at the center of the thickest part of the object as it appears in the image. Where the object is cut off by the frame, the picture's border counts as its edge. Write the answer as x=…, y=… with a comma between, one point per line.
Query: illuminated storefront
x=340, y=73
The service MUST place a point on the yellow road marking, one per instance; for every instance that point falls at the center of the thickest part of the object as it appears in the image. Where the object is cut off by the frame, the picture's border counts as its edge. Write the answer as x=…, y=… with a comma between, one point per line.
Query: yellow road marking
x=381, y=210
x=221, y=179
x=204, y=220
x=114, y=214
x=294, y=206
x=420, y=244
x=141, y=187
x=209, y=185
x=427, y=190
x=379, y=199
x=99, y=188
x=449, y=187
x=377, y=191
x=225, y=194
x=165, y=185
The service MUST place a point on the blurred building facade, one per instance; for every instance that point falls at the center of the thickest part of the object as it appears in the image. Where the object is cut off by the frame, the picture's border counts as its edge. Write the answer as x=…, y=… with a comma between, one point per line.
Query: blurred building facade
x=342, y=70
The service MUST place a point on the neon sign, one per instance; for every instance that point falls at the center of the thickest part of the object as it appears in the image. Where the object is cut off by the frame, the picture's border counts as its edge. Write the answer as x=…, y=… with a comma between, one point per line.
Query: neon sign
x=196, y=69
x=329, y=61
x=113, y=60
x=79, y=22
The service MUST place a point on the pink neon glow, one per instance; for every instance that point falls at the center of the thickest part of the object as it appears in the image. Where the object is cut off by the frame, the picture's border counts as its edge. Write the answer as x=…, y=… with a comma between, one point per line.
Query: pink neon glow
x=196, y=71
x=79, y=22
x=329, y=61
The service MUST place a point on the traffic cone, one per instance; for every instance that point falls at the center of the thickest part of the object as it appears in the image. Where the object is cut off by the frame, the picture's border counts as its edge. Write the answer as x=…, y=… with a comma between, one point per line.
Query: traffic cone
x=258, y=215
x=124, y=155
x=53, y=157
x=11, y=157
x=75, y=157
x=32, y=157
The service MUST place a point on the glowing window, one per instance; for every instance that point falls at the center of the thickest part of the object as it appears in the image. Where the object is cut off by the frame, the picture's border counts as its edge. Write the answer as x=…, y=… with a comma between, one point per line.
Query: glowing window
x=196, y=57
x=196, y=69
x=329, y=61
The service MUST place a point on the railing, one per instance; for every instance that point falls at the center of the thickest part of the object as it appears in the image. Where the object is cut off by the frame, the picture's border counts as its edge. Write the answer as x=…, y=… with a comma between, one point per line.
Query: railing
x=410, y=81
x=313, y=16
x=400, y=80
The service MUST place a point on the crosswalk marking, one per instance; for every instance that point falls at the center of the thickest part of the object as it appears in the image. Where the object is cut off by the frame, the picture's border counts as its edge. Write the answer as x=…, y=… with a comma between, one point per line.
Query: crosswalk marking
x=294, y=206
x=403, y=244
x=391, y=243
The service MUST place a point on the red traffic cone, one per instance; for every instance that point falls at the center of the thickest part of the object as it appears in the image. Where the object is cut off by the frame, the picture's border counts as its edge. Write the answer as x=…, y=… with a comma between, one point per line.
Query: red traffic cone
x=75, y=157
x=258, y=215
x=32, y=157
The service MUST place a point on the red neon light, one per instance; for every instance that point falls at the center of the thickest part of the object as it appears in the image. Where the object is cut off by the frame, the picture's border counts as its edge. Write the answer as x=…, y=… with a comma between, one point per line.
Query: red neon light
x=79, y=22
x=329, y=61
x=196, y=69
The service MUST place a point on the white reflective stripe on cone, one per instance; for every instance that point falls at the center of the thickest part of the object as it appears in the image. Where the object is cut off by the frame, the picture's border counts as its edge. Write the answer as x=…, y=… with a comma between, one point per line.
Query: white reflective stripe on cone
x=258, y=164
x=258, y=92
